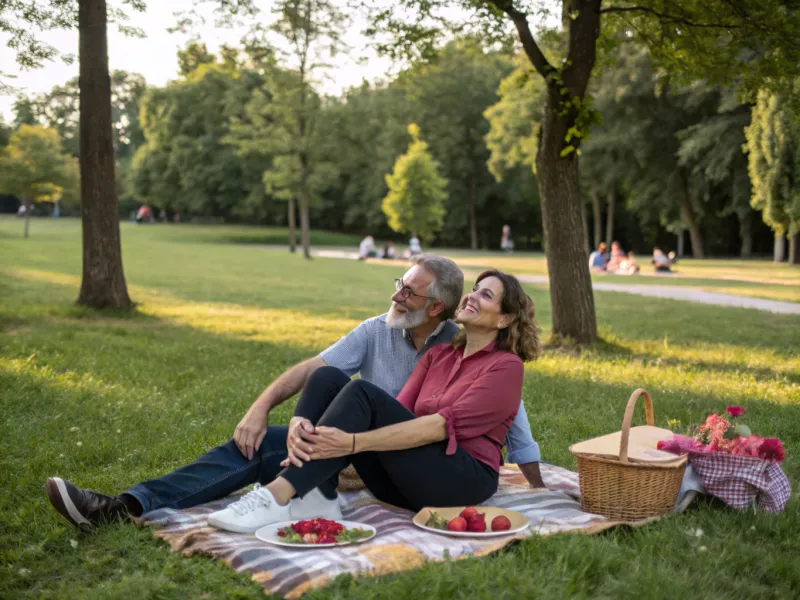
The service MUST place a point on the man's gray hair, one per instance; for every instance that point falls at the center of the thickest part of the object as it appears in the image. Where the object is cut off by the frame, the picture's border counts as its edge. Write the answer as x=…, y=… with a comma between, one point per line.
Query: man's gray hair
x=448, y=287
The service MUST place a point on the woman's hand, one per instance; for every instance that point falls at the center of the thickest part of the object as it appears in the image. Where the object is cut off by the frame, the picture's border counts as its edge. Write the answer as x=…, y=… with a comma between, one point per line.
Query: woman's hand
x=300, y=430
x=330, y=442
x=326, y=442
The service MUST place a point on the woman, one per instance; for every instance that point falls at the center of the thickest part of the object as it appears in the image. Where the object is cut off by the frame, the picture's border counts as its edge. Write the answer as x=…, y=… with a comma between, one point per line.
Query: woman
x=437, y=444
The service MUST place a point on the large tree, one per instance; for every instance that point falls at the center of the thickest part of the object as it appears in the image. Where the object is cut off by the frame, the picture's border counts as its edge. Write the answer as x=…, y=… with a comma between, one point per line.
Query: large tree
x=415, y=202
x=184, y=164
x=103, y=282
x=34, y=167
x=449, y=96
x=753, y=40
x=773, y=144
x=312, y=29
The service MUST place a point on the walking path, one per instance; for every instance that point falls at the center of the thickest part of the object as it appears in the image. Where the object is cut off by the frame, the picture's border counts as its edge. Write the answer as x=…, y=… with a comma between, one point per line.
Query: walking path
x=688, y=294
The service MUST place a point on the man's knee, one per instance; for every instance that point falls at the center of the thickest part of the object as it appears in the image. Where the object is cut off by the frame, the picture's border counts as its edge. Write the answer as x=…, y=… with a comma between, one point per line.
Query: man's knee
x=327, y=376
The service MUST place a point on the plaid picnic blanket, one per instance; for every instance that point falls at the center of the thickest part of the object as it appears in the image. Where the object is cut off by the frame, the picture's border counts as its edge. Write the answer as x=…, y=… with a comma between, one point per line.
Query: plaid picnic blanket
x=399, y=545
x=742, y=481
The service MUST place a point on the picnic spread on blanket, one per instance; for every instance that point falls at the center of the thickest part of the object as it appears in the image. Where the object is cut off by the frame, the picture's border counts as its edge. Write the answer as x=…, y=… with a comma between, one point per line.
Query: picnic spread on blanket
x=630, y=477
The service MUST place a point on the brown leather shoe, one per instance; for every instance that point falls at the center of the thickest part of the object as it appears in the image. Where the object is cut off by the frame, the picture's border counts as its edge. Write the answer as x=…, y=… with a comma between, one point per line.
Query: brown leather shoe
x=83, y=508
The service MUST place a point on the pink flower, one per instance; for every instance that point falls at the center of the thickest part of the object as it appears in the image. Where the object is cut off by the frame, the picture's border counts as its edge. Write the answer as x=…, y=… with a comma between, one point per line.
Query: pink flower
x=746, y=446
x=735, y=410
x=771, y=449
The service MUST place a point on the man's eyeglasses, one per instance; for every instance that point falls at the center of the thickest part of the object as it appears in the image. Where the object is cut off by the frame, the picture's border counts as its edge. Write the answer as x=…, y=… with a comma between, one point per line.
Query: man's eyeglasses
x=406, y=292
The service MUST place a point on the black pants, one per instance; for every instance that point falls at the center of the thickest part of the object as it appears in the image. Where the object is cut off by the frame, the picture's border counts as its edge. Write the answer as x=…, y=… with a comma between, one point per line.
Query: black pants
x=412, y=478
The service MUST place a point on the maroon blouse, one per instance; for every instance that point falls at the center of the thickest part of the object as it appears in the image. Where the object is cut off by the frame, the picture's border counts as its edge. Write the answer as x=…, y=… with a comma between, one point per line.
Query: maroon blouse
x=478, y=397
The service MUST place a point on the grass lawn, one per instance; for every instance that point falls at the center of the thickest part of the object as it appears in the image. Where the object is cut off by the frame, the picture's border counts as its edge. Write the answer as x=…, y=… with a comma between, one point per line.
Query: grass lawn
x=107, y=400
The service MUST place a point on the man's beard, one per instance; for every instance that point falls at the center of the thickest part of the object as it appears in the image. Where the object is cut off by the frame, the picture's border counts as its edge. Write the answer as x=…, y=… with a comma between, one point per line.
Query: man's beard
x=407, y=320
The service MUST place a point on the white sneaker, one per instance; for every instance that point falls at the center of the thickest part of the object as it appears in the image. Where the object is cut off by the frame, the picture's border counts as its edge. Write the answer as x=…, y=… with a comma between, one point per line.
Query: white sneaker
x=315, y=505
x=248, y=514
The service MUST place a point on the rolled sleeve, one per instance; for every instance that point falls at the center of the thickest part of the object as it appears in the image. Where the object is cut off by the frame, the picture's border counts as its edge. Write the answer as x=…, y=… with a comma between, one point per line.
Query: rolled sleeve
x=452, y=441
x=522, y=448
x=349, y=353
x=491, y=398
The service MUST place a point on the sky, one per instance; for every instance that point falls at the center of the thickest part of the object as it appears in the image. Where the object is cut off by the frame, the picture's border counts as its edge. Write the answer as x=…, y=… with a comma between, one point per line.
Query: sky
x=155, y=57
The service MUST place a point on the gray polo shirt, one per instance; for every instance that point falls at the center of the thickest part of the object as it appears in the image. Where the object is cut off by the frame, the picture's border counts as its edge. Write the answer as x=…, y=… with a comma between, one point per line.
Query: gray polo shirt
x=386, y=357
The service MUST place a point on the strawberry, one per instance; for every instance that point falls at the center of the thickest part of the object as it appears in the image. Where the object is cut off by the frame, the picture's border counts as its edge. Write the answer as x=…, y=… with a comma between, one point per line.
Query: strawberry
x=501, y=523
x=469, y=512
x=476, y=525
x=457, y=524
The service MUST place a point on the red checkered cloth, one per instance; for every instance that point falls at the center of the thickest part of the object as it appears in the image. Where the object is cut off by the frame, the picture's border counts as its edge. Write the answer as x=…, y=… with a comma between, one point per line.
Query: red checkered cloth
x=742, y=481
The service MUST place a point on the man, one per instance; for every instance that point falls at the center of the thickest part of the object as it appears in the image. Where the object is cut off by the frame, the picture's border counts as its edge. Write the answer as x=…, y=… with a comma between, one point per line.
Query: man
x=383, y=350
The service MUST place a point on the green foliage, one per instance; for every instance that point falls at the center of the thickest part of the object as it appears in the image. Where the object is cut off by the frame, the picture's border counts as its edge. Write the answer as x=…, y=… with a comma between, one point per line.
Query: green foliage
x=25, y=21
x=364, y=132
x=748, y=43
x=464, y=75
x=34, y=167
x=773, y=145
x=59, y=109
x=184, y=164
x=417, y=192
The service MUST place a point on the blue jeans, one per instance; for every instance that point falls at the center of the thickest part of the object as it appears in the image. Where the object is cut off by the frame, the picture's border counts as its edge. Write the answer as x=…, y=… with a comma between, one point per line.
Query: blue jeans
x=214, y=475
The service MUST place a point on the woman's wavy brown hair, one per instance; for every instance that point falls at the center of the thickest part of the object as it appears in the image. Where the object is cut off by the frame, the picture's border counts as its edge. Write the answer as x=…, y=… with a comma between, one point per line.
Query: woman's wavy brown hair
x=522, y=336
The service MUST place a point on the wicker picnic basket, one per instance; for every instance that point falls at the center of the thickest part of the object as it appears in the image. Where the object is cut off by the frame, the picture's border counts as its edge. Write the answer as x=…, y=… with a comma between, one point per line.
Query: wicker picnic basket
x=621, y=489
x=350, y=480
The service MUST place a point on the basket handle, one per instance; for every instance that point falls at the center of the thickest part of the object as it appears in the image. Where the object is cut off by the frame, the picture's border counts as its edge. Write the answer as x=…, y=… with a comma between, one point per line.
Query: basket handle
x=626, y=420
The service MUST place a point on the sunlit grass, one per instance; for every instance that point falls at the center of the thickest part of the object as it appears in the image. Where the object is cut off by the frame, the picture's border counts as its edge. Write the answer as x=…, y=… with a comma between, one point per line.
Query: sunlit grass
x=109, y=399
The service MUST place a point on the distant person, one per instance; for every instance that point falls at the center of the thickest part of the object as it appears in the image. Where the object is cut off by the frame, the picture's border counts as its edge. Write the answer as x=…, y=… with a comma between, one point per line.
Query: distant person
x=414, y=246
x=597, y=259
x=22, y=210
x=176, y=218
x=506, y=243
x=389, y=251
x=661, y=261
x=144, y=214
x=366, y=249
x=628, y=266
x=616, y=258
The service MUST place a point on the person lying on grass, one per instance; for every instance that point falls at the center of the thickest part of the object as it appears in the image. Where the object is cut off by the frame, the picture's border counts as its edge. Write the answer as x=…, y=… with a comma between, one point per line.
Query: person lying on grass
x=383, y=349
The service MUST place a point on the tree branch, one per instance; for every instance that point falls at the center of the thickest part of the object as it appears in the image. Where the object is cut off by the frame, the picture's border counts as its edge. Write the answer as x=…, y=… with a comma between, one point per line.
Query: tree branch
x=530, y=46
x=668, y=17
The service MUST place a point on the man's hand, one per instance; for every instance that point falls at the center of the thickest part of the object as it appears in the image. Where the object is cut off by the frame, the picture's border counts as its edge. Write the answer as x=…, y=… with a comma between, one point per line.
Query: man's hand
x=251, y=430
x=532, y=474
x=300, y=430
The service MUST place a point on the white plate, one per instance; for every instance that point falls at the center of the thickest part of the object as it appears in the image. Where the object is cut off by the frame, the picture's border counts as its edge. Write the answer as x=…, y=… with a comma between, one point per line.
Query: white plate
x=269, y=534
x=519, y=522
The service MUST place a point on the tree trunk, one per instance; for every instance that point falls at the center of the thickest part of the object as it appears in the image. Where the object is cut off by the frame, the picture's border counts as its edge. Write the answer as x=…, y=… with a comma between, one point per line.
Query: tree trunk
x=28, y=207
x=746, y=234
x=472, y=194
x=571, y=297
x=103, y=283
x=292, y=221
x=794, y=250
x=305, y=238
x=585, y=223
x=687, y=215
x=612, y=201
x=597, y=212
x=779, y=248
x=680, y=249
